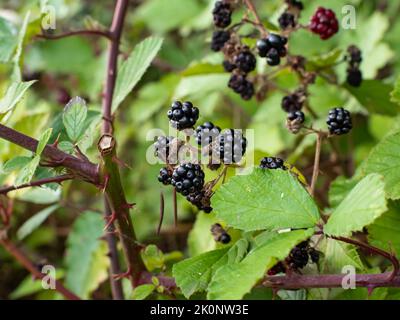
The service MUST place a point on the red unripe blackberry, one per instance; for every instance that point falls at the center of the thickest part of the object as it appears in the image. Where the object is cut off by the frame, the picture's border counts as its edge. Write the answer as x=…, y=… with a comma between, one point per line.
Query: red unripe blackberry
x=165, y=176
x=272, y=163
x=339, y=121
x=207, y=133
x=230, y=146
x=245, y=61
x=222, y=13
x=241, y=85
x=183, y=115
x=324, y=23
x=219, y=38
x=188, y=178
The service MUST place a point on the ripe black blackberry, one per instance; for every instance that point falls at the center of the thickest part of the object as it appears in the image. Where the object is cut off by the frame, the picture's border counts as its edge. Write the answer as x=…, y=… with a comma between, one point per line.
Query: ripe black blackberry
x=241, y=85
x=165, y=176
x=228, y=66
x=219, y=234
x=200, y=200
x=272, y=47
x=354, y=77
x=245, y=60
x=297, y=116
x=183, y=115
x=287, y=20
x=298, y=257
x=293, y=102
x=339, y=121
x=207, y=133
x=219, y=38
x=188, y=178
x=230, y=146
x=354, y=53
x=222, y=13
x=272, y=163
x=162, y=147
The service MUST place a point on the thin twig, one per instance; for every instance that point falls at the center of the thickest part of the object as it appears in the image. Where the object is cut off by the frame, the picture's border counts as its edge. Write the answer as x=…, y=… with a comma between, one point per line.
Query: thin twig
x=175, y=204
x=320, y=137
x=161, y=213
x=101, y=33
x=258, y=21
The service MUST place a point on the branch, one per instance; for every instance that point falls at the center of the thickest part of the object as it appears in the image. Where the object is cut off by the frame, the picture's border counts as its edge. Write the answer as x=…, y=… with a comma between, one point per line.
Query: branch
x=58, y=179
x=320, y=137
x=258, y=22
x=81, y=168
x=101, y=33
x=30, y=266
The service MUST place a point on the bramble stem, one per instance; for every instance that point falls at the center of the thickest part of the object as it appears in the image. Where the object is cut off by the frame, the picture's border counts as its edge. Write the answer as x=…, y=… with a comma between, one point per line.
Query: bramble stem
x=320, y=137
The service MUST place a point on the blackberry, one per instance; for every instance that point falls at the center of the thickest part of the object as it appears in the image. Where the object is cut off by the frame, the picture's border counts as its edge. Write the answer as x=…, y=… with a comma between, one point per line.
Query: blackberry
x=287, y=20
x=273, y=47
x=219, y=38
x=188, y=178
x=354, y=55
x=245, y=61
x=225, y=238
x=298, y=258
x=165, y=176
x=296, y=115
x=241, y=85
x=293, y=102
x=324, y=23
x=183, y=115
x=294, y=121
x=314, y=255
x=278, y=268
x=200, y=200
x=339, y=121
x=354, y=77
x=207, y=133
x=230, y=146
x=162, y=147
x=220, y=234
x=228, y=67
x=222, y=13
x=272, y=163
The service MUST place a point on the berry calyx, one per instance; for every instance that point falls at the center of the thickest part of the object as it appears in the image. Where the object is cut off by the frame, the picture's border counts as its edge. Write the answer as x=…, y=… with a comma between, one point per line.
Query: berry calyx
x=165, y=176
x=294, y=121
x=245, y=61
x=230, y=146
x=207, y=133
x=339, y=121
x=219, y=38
x=183, y=115
x=272, y=163
x=222, y=13
x=188, y=178
x=324, y=23
x=241, y=85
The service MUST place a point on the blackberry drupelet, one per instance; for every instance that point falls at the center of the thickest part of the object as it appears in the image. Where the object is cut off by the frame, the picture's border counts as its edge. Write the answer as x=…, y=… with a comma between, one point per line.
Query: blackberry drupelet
x=272, y=163
x=165, y=176
x=207, y=133
x=222, y=13
x=245, y=61
x=219, y=38
x=183, y=115
x=339, y=121
x=287, y=20
x=324, y=23
x=162, y=147
x=188, y=178
x=241, y=85
x=231, y=146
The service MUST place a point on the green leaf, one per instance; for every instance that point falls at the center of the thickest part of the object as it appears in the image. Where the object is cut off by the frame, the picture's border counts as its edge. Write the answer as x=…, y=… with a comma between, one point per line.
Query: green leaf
x=74, y=116
x=385, y=160
x=385, y=231
x=194, y=274
x=339, y=188
x=338, y=254
x=16, y=164
x=35, y=221
x=86, y=260
x=201, y=84
x=134, y=68
x=153, y=258
x=8, y=40
x=17, y=61
x=142, y=292
x=395, y=94
x=44, y=138
x=324, y=60
x=374, y=96
x=234, y=280
x=265, y=199
x=13, y=95
x=27, y=172
x=200, y=239
x=365, y=203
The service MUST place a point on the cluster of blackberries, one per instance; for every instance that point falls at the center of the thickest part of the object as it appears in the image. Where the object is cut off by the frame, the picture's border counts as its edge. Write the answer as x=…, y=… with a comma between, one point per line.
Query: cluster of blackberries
x=339, y=121
x=354, y=75
x=183, y=115
x=272, y=47
x=207, y=133
x=165, y=176
x=272, y=163
x=230, y=146
x=220, y=234
x=239, y=84
x=222, y=13
x=324, y=23
x=293, y=104
x=298, y=258
x=188, y=178
x=245, y=61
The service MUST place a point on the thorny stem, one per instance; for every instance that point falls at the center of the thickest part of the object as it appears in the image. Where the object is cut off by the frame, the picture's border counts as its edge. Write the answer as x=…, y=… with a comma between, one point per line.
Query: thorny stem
x=58, y=179
x=30, y=266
